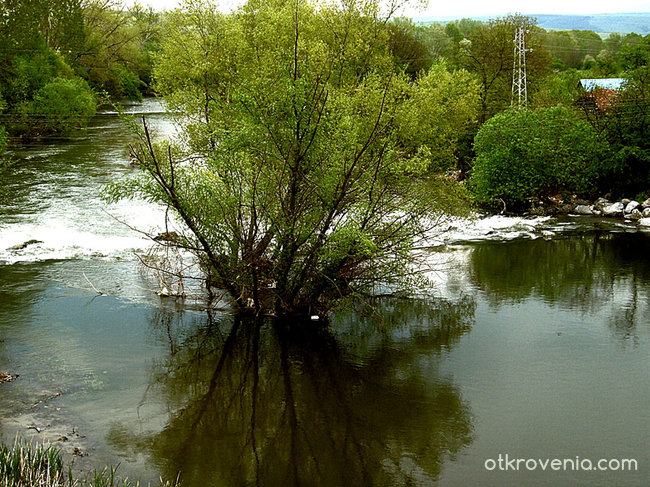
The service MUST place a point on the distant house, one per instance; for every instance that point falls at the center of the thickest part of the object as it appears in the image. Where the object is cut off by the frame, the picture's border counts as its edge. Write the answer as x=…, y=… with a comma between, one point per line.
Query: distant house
x=599, y=94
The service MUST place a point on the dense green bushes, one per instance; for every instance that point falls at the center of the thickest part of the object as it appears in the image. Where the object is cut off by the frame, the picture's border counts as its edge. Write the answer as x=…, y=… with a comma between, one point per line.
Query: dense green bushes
x=63, y=104
x=522, y=154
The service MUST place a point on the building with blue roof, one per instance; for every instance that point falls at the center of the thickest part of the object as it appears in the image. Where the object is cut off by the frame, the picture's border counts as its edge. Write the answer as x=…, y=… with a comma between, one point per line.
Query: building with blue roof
x=590, y=84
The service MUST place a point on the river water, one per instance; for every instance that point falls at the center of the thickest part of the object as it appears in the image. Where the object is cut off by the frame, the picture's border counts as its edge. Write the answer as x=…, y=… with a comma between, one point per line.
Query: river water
x=536, y=345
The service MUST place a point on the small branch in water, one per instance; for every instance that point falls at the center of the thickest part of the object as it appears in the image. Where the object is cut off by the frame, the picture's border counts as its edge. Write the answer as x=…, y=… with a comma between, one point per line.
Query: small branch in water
x=91, y=285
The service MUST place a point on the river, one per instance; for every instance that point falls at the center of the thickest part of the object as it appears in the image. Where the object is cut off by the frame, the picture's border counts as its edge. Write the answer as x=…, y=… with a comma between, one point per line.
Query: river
x=535, y=344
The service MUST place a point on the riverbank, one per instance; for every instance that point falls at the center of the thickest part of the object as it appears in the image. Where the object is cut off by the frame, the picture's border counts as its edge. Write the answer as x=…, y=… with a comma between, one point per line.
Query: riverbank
x=27, y=464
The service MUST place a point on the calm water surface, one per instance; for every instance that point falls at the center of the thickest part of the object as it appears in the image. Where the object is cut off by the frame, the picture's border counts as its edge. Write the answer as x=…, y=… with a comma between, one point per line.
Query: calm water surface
x=534, y=348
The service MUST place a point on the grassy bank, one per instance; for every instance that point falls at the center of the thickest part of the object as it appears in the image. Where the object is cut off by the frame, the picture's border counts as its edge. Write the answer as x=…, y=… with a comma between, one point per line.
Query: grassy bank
x=41, y=465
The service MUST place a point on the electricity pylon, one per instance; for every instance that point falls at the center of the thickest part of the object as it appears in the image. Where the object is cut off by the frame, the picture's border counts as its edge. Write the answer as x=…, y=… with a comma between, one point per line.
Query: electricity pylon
x=519, y=89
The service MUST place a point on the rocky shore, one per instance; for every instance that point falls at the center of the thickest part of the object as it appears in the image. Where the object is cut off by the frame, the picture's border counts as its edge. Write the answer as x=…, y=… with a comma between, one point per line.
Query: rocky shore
x=626, y=209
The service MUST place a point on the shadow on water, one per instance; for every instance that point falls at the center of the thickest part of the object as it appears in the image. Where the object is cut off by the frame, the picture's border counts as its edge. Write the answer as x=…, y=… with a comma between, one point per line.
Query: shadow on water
x=259, y=402
x=583, y=273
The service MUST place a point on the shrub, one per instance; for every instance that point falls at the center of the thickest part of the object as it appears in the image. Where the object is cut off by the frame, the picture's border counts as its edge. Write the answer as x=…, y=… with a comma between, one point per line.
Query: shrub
x=63, y=104
x=521, y=154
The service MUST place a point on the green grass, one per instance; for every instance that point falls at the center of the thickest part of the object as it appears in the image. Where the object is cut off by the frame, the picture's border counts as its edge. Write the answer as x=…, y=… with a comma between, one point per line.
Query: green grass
x=41, y=465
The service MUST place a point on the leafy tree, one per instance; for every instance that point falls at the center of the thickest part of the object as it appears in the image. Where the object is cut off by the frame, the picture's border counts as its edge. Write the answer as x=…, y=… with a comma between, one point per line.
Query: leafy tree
x=563, y=49
x=38, y=35
x=522, y=154
x=292, y=182
x=558, y=89
x=442, y=106
x=25, y=24
x=64, y=103
x=588, y=42
x=634, y=51
x=438, y=44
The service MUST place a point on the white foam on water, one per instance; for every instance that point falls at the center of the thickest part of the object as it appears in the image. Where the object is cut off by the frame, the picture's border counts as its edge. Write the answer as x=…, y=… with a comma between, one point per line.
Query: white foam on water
x=493, y=227
x=65, y=231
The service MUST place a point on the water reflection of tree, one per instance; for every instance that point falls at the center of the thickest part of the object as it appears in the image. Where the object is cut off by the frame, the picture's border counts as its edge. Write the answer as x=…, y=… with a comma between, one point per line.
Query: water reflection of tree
x=583, y=272
x=256, y=404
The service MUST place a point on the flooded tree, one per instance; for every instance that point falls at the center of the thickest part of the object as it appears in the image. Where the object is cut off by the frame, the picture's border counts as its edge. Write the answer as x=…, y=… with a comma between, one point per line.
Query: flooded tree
x=290, y=176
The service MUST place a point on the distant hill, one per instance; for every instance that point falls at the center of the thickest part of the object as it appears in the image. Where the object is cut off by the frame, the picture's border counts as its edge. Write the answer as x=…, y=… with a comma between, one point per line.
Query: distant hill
x=623, y=23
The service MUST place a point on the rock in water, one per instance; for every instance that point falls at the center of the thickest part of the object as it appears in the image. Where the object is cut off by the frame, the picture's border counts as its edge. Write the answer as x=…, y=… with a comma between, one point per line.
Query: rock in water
x=601, y=203
x=646, y=213
x=646, y=203
x=24, y=245
x=615, y=209
x=4, y=377
x=645, y=222
x=583, y=210
x=635, y=215
x=632, y=205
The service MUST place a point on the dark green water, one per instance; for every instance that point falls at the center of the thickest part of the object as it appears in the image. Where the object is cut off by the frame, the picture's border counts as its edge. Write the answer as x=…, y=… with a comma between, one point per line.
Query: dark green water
x=538, y=349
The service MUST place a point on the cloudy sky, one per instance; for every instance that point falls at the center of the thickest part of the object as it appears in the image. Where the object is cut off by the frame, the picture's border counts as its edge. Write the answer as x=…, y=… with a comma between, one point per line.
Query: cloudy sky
x=472, y=8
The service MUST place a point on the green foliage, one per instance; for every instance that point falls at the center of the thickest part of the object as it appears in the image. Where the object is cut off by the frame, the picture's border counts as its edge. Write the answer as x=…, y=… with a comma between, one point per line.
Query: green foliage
x=64, y=103
x=409, y=49
x=560, y=88
x=37, y=37
x=115, y=56
x=29, y=465
x=628, y=128
x=27, y=72
x=300, y=190
x=45, y=41
x=523, y=154
x=441, y=107
x=3, y=131
x=3, y=141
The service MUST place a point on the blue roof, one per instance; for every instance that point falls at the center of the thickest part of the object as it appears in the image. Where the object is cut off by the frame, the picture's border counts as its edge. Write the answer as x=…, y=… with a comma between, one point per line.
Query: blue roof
x=604, y=83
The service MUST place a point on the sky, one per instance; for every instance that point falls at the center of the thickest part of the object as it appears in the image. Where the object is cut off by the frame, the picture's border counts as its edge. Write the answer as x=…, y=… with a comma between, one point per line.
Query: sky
x=477, y=8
